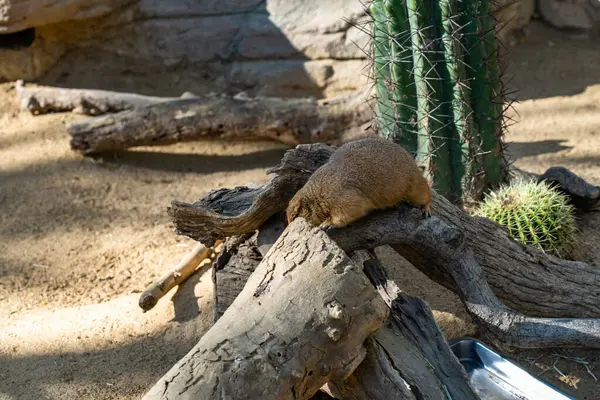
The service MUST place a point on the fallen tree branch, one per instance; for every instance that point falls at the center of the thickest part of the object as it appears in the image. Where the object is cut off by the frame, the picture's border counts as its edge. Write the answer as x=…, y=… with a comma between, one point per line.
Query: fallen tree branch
x=527, y=280
x=392, y=356
x=444, y=249
x=230, y=212
x=300, y=322
x=42, y=100
x=186, y=267
x=439, y=246
x=584, y=195
x=409, y=349
x=287, y=120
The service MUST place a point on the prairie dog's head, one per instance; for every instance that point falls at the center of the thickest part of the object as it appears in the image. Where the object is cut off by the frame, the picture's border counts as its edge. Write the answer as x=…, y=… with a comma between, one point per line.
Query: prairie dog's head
x=308, y=207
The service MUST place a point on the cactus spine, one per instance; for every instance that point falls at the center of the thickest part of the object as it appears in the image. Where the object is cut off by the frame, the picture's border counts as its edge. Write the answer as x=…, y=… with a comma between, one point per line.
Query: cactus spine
x=439, y=90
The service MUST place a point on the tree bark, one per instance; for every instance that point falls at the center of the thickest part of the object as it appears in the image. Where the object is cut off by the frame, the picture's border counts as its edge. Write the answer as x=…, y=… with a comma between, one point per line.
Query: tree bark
x=239, y=258
x=527, y=280
x=442, y=248
x=230, y=212
x=408, y=356
x=42, y=100
x=291, y=121
x=399, y=356
x=300, y=321
x=231, y=270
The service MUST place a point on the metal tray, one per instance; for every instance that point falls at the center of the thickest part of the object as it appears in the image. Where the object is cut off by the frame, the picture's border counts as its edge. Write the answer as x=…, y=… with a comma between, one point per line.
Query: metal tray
x=495, y=378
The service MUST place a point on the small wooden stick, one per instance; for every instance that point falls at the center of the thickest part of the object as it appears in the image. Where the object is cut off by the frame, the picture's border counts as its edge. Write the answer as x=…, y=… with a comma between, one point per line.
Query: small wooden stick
x=183, y=270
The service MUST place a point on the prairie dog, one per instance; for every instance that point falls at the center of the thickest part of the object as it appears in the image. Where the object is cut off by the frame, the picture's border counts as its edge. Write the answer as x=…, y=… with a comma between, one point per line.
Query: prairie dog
x=361, y=176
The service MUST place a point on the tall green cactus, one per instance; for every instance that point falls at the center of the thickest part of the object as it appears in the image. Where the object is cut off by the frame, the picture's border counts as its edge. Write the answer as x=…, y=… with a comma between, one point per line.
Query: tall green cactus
x=439, y=90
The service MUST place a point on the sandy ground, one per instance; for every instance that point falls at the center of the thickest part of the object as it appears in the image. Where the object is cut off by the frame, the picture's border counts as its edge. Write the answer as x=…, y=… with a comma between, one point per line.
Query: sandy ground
x=81, y=237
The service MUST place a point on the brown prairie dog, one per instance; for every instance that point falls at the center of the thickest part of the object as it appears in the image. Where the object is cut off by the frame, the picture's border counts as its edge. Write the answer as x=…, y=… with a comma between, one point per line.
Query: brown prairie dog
x=361, y=176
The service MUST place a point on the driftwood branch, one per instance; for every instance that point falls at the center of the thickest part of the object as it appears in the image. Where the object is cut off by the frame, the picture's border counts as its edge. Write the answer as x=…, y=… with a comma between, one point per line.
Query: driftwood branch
x=444, y=248
x=42, y=100
x=407, y=355
x=230, y=212
x=287, y=120
x=300, y=322
x=403, y=351
x=186, y=267
x=400, y=355
x=525, y=279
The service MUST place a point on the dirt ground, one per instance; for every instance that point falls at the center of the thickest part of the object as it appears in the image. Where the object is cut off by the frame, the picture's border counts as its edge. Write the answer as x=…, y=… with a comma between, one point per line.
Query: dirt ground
x=81, y=237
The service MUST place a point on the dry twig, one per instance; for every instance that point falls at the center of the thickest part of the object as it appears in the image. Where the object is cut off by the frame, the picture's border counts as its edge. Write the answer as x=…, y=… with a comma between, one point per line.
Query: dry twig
x=186, y=267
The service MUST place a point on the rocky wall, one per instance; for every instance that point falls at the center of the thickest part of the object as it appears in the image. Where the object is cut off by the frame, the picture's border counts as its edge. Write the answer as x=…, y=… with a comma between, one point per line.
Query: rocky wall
x=268, y=47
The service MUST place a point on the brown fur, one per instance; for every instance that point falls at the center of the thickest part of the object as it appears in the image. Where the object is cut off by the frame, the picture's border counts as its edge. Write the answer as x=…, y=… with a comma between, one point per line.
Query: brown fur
x=361, y=176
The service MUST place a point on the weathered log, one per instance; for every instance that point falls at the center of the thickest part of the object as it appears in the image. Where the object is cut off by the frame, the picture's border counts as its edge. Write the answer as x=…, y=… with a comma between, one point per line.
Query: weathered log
x=300, y=321
x=229, y=212
x=288, y=120
x=408, y=354
x=444, y=249
x=527, y=280
x=231, y=270
x=42, y=100
x=239, y=258
x=392, y=356
x=377, y=377
x=584, y=195
x=433, y=243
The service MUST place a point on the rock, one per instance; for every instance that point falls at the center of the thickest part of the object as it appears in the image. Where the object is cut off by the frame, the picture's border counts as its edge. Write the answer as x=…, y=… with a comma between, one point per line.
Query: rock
x=17, y=15
x=319, y=78
x=314, y=16
x=514, y=16
x=261, y=39
x=150, y=9
x=571, y=14
x=31, y=62
x=267, y=47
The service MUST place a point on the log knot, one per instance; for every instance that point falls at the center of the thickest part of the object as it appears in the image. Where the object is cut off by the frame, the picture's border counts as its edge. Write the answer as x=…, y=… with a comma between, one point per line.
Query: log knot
x=336, y=311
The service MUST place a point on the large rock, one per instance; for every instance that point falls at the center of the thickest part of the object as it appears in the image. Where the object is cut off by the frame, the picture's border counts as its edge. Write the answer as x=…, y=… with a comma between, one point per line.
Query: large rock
x=290, y=77
x=571, y=14
x=269, y=47
x=272, y=30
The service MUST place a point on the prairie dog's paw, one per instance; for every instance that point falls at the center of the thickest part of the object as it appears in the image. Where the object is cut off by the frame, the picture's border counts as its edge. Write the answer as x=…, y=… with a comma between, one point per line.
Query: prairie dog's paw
x=427, y=213
x=326, y=226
